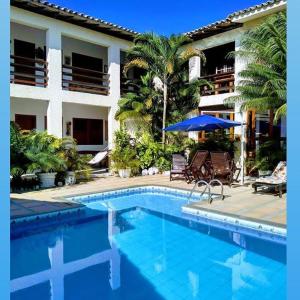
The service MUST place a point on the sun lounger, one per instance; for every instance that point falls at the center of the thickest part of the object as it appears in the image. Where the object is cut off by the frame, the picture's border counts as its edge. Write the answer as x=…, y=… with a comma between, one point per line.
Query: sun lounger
x=99, y=157
x=178, y=166
x=223, y=167
x=277, y=180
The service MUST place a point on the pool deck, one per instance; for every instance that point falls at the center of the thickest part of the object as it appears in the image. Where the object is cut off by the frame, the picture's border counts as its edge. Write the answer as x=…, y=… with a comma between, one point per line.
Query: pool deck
x=239, y=200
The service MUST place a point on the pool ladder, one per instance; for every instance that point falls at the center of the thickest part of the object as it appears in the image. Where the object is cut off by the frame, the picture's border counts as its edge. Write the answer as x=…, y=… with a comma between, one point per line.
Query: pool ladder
x=208, y=186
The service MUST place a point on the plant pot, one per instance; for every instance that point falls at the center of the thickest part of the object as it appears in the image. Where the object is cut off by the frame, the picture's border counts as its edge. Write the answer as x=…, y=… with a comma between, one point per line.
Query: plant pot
x=124, y=173
x=264, y=173
x=70, y=178
x=47, y=179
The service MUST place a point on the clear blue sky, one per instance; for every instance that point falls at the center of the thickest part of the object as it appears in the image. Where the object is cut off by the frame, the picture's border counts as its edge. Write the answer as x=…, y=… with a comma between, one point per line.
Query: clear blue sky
x=160, y=16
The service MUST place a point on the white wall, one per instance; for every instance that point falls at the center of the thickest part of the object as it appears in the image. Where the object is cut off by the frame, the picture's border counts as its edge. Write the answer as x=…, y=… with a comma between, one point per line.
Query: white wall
x=70, y=45
x=60, y=36
x=71, y=111
x=29, y=107
x=27, y=34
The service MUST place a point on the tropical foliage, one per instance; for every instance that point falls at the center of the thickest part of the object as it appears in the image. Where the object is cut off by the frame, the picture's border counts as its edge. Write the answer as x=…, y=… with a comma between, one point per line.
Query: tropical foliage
x=74, y=161
x=40, y=152
x=164, y=59
x=263, y=81
x=124, y=153
x=44, y=152
x=140, y=107
x=215, y=142
x=143, y=152
x=268, y=155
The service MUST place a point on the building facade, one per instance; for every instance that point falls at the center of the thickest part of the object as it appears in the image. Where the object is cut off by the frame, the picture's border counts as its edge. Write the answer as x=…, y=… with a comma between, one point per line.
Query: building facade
x=66, y=72
x=217, y=40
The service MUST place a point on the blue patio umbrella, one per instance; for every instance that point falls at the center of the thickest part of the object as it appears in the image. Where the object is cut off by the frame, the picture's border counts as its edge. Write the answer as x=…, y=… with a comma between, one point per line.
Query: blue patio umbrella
x=210, y=123
x=203, y=123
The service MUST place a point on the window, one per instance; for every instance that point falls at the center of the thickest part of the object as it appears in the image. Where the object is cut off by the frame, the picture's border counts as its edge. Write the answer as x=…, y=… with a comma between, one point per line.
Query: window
x=88, y=131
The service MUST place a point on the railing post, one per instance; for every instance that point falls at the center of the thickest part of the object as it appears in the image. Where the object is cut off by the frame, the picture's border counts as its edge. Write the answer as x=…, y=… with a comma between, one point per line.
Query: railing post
x=54, y=112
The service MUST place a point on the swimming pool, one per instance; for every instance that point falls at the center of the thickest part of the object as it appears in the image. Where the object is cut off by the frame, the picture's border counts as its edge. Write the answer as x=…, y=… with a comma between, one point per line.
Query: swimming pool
x=137, y=244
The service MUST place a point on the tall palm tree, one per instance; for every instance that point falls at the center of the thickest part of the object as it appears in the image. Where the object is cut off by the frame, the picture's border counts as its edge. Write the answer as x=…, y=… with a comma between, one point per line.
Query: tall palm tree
x=144, y=108
x=139, y=106
x=263, y=81
x=164, y=57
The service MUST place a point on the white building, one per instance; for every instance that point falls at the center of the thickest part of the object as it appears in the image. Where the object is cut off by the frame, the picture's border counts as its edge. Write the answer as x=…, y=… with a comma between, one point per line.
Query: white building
x=216, y=41
x=65, y=72
x=66, y=78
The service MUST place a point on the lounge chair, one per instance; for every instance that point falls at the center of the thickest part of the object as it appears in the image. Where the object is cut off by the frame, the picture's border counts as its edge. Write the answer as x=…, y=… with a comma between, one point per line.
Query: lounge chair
x=100, y=156
x=277, y=180
x=197, y=169
x=178, y=166
x=223, y=167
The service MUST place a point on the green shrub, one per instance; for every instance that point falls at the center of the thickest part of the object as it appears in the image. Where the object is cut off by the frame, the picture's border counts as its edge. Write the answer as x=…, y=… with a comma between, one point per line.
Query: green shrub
x=268, y=155
x=45, y=153
x=215, y=142
x=35, y=152
x=74, y=160
x=124, y=156
x=163, y=164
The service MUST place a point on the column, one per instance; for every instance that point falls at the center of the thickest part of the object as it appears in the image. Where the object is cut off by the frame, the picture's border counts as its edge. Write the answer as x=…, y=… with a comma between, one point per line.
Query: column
x=194, y=73
x=239, y=66
x=194, y=68
x=54, y=111
x=114, y=91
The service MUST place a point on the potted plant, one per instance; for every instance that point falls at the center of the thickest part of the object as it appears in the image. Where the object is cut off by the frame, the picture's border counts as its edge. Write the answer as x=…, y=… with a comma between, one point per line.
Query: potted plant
x=267, y=157
x=45, y=156
x=124, y=161
x=74, y=161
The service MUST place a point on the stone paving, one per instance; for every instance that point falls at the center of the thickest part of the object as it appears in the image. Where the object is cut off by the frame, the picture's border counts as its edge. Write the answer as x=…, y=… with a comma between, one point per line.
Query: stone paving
x=239, y=201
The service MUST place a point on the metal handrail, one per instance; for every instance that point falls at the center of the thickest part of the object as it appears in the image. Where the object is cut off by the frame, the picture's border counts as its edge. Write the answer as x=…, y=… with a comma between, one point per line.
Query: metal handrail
x=222, y=188
x=197, y=183
x=207, y=186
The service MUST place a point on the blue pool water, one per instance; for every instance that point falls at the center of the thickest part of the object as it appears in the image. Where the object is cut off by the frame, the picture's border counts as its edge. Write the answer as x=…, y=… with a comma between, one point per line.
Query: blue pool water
x=116, y=249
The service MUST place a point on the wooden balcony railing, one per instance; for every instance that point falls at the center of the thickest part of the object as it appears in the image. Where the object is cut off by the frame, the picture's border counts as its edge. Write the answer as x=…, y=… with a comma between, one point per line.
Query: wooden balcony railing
x=222, y=83
x=84, y=80
x=28, y=71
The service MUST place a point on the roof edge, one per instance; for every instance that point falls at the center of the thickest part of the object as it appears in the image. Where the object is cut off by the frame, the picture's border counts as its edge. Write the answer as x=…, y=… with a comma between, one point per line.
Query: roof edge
x=237, y=18
x=70, y=16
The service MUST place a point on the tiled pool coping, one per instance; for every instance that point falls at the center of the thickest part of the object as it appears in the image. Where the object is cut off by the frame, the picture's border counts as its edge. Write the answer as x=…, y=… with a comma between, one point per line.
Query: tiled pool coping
x=86, y=198
x=256, y=225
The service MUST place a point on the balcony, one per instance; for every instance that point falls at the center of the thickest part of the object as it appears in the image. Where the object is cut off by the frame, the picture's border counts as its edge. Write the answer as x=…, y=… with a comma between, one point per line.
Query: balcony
x=222, y=82
x=28, y=71
x=84, y=80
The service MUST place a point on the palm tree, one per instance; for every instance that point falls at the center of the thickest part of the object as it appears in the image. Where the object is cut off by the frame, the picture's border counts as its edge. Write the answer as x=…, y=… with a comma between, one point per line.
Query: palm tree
x=144, y=108
x=139, y=106
x=263, y=81
x=164, y=57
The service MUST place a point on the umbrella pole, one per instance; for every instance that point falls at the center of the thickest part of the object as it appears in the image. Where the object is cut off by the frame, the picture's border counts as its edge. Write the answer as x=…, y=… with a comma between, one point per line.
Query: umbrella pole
x=243, y=154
